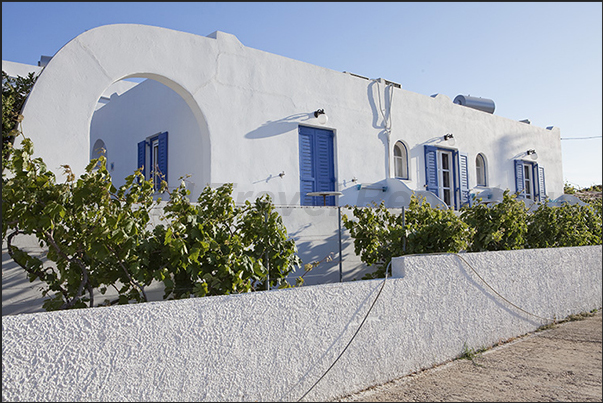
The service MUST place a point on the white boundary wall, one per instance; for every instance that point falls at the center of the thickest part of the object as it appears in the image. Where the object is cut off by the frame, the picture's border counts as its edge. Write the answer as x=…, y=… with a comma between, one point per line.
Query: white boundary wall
x=274, y=345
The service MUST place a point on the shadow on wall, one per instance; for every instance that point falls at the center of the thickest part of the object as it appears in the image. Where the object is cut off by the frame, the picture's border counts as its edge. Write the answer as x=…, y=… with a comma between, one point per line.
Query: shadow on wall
x=325, y=250
x=277, y=127
x=381, y=111
x=467, y=269
x=393, y=192
x=19, y=295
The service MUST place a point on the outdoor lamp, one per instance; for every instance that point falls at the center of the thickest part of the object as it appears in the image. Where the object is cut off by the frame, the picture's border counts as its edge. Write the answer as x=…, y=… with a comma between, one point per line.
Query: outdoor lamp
x=321, y=116
x=532, y=153
x=449, y=138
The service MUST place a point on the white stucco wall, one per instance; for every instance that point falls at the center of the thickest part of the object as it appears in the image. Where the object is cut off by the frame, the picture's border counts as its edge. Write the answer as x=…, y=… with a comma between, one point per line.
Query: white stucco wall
x=14, y=69
x=157, y=109
x=274, y=345
x=248, y=105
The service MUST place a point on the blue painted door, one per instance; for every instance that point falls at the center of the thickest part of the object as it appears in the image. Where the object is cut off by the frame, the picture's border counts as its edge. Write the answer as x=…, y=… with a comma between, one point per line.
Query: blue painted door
x=446, y=175
x=316, y=165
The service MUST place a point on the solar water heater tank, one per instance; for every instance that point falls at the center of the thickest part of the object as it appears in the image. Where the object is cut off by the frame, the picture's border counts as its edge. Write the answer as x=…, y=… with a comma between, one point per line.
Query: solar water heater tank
x=481, y=104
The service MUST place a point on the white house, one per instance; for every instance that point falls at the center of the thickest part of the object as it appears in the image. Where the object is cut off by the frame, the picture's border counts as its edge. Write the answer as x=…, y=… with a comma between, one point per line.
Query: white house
x=222, y=112
x=215, y=111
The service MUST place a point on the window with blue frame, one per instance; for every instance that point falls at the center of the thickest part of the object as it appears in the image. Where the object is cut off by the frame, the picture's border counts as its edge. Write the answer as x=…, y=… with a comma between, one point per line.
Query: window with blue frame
x=153, y=158
x=529, y=181
x=446, y=175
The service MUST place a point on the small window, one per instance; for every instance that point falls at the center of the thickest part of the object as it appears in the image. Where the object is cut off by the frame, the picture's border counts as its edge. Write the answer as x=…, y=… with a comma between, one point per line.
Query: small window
x=97, y=150
x=480, y=170
x=400, y=161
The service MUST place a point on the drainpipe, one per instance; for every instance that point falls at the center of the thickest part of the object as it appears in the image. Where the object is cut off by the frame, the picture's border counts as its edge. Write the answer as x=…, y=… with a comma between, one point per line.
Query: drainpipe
x=387, y=118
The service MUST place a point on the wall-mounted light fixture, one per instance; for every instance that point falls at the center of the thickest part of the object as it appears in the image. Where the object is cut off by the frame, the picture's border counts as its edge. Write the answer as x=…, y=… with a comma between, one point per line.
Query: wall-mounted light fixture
x=449, y=139
x=282, y=174
x=532, y=153
x=321, y=116
x=354, y=179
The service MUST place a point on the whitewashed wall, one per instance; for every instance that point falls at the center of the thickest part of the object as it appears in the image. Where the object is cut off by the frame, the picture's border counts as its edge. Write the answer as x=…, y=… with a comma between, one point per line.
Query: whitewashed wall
x=155, y=108
x=274, y=345
x=248, y=105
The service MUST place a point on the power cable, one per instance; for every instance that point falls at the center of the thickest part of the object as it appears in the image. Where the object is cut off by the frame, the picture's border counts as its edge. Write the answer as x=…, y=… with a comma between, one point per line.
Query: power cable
x=353, y=337
x=581, y=138
x=497, y=293
x=381, y=289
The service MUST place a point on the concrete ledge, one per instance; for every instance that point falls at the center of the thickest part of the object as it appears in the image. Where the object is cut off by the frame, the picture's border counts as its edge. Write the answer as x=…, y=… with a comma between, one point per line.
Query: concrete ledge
x=274, y=346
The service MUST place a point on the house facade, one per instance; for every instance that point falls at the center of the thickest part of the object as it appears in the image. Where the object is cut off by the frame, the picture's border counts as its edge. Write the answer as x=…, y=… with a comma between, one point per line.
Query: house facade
x=216, y=111
x=209, y=110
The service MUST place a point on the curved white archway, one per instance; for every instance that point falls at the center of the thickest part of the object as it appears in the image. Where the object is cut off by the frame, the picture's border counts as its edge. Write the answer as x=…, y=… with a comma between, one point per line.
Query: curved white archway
x=62, y=102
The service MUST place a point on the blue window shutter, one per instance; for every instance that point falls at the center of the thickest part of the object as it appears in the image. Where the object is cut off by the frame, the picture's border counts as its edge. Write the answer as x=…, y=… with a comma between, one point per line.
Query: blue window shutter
x=431, y=169
x=162, y=159
x=142, y=157
x=316, y=165
x=306, y=166
x=519, y=183
x=325, y=175
x=536, y=182
x=464, y=177
x=541, y=184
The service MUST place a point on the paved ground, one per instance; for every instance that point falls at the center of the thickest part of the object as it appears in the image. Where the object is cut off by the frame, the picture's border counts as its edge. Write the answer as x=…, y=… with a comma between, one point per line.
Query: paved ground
x=561, y=363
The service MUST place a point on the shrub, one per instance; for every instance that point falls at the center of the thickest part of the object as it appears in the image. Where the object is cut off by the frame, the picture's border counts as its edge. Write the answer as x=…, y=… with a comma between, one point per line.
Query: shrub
x=501, y=226
x=567, y=225
x=380, y=234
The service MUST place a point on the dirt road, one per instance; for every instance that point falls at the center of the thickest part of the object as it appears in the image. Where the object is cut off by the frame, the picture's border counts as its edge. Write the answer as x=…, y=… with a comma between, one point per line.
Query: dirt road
x=562, y=363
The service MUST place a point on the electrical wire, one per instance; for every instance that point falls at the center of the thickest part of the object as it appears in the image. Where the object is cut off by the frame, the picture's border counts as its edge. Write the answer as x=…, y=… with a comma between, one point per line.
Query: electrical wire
x=381, y=289
x=497, y=293
x=353, y=337
x=484, y=281
x=581, y=138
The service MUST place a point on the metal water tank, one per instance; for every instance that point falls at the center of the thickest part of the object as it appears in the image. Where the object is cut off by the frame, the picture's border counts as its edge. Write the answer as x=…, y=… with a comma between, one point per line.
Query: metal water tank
x=481, y=104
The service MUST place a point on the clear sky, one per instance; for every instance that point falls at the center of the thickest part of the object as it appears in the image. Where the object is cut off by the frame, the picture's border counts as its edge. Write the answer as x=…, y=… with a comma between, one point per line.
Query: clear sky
x=536, y=61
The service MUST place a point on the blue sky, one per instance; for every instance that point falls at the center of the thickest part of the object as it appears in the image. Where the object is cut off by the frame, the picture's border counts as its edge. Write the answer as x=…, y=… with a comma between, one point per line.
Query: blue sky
x=536, y=61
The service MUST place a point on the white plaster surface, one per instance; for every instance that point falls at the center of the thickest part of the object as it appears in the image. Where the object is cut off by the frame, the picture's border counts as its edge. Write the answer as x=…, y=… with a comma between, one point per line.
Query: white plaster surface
x=14, y=69
x=248, y=105
x=274, y=345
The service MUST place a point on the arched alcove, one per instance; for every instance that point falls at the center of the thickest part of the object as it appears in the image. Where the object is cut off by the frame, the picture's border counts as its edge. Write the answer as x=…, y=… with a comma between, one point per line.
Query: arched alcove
x=136, y=113
x=99, y=148
x=59, y=110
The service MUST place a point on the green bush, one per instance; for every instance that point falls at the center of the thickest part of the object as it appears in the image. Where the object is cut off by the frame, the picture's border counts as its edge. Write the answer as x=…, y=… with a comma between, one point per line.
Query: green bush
x=567, y=225
x=380, y=234
x=98, y=237
x=501, y=226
